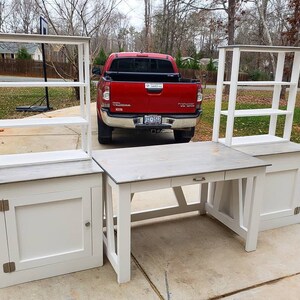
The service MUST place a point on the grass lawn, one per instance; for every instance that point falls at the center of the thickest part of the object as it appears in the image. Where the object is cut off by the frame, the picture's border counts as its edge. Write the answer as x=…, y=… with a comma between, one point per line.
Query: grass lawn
x=246, y=99
x=10, y=98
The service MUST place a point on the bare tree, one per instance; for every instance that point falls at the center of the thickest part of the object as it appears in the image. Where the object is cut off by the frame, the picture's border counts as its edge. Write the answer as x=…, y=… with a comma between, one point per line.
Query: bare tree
x=25, y=16
x=147, y=25
x=78, y=17
x=6, y=9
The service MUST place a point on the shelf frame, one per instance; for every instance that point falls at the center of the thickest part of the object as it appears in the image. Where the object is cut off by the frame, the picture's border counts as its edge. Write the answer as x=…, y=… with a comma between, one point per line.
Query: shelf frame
x=83, y=119
x=277, y=84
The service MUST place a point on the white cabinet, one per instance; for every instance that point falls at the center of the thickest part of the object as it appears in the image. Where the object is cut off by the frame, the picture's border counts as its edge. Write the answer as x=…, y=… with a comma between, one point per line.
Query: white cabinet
x=50, y=227
x=281, y=199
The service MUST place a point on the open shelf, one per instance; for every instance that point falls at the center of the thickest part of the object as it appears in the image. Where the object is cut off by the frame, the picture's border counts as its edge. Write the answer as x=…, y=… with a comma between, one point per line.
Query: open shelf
x=261, y=83
x=43, y=84
x=276, y=86
x=14, y=160
x=33, y=122
x=83, y=119
x=257, y=112
x=254, y=139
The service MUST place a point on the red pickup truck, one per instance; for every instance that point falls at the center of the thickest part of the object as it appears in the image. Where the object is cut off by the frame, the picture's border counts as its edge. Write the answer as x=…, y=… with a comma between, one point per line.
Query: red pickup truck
x=146, y=91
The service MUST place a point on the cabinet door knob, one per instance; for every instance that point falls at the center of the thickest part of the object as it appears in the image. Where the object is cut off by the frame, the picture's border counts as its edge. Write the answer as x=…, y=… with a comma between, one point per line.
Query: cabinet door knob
x=87, y=224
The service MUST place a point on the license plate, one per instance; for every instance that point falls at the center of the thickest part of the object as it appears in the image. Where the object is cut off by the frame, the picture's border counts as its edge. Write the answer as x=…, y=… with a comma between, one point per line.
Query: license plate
x=152, y=120
x=154, y=85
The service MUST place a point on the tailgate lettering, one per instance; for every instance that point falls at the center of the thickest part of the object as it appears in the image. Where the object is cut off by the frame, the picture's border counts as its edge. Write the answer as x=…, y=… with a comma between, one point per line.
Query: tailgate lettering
x=154, y=85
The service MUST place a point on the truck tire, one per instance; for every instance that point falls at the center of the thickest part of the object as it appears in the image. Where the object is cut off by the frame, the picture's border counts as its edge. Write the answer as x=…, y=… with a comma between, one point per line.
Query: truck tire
x=184, y=136
x=104, y=133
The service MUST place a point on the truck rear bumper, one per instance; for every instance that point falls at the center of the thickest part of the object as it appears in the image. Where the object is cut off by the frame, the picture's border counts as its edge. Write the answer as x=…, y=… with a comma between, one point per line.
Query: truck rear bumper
x=136, y=121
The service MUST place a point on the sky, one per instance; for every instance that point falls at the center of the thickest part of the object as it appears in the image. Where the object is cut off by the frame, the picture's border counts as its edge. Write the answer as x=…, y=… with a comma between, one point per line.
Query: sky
x=134, y=9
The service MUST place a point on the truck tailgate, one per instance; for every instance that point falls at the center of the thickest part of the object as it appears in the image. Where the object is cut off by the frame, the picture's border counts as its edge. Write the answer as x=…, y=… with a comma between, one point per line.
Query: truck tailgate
x=141, y=97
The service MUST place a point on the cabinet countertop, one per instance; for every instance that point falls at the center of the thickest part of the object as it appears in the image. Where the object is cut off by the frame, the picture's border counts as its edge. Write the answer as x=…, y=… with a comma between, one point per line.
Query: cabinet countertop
x=47, y=171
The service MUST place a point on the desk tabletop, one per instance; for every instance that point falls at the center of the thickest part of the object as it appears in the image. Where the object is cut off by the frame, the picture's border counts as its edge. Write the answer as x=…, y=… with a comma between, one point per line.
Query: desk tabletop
x=165, y=161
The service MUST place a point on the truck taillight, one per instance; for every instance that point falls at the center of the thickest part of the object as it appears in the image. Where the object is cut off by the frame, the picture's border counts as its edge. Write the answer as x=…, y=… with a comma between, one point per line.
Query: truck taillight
x=106, y=97
x=199, y=98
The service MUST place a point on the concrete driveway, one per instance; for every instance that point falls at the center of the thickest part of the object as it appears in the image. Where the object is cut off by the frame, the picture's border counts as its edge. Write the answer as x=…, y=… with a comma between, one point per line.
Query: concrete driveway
x=182, y=257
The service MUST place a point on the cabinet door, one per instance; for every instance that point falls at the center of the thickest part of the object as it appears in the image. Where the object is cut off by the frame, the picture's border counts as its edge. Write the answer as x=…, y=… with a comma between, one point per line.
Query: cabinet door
x=49, y=228
x=4, y=258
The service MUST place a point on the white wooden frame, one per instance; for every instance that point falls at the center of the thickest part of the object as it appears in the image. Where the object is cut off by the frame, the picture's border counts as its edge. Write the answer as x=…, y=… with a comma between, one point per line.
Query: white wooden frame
x=83, y=119
x=245, y=221
x=273, y=112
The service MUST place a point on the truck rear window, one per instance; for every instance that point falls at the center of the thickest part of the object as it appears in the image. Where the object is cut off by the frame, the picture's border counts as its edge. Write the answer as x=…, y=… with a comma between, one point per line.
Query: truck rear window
x=142, y=65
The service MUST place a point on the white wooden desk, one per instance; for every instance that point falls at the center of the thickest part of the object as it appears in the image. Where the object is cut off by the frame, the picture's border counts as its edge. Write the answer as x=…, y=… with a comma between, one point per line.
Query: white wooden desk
x=133, y=170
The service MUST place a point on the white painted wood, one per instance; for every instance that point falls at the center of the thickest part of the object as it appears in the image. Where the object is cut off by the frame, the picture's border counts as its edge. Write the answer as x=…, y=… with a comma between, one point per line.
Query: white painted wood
x=262, y=83
x=258, y=112
x=232, y=96
x=42, y=84
x=198, y=179
x=292, y=96
x=125, y=168
x=49, y=171
x=23, y=159
x=38, y=38
x=109, y=220
x=219, y=90
x=276, y=91
x=248, y=186
x=41, y=232
x=243, y=173
x=254, y=213
x=226, y=220
x=47, y=232
x=50, y=270
x=286, y=149
x=237, y=202
x=4, y=256
x=282, y=183
x=279, y=222
x=124, y=232
x=97, y=219
x=203, y=198
x=84, y=120
x=253, y=140
x=112, y=257
x=163, y=212
x=88, y=135
x=276, y=84
x=82, y=96
x=151, y=185
x=166, y=161
x=217, y=195
x=261, y=48
x=180, y=196
x=34, y=122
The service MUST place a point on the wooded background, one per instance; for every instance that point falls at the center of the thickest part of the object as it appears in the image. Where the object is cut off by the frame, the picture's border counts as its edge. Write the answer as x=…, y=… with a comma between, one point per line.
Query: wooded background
x=178, y=27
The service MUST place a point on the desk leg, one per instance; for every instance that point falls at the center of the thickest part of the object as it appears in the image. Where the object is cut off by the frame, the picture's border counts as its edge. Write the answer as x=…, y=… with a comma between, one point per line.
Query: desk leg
x=123, y=232
x=203, y=198
x=254, y=216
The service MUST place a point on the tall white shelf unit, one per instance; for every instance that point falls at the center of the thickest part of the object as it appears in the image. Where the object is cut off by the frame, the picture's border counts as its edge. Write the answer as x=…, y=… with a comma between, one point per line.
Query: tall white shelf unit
x=281, y=199
x=37, y=188
x=273, y=111
x=83, y=120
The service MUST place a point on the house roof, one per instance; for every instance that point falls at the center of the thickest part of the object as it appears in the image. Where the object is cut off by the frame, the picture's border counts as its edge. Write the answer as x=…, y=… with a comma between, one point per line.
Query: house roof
x=13, y=48
x=205, y=61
